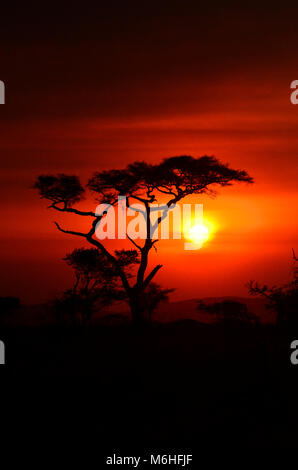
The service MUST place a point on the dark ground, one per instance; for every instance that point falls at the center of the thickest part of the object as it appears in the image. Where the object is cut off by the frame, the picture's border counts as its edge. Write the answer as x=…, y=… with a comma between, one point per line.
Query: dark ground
x=182, y=384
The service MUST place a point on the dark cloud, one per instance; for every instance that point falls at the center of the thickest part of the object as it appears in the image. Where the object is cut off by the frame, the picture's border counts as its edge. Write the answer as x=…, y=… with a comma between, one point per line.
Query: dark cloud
x=131, y=58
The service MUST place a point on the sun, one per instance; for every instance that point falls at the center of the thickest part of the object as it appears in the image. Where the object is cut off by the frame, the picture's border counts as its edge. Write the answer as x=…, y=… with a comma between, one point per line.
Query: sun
x=198, y=234
x=201, y=232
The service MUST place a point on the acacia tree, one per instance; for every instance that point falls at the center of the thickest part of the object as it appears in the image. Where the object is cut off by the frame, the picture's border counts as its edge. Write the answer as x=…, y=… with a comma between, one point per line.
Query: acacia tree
x=96, y=282
x=174, y=178
x=283, y=300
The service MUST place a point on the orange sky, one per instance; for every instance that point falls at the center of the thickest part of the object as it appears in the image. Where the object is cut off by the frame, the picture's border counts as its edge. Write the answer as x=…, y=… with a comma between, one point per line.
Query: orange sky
x=90, y=96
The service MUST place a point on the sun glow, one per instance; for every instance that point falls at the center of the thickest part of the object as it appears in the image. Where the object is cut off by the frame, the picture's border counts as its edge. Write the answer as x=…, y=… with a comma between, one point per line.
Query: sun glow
x=200, y=233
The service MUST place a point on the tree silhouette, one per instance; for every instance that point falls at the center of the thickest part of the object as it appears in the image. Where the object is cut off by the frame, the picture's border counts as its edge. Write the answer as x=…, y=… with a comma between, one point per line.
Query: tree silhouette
x=281, y=299
x=96, y=283
x=153, y=295
x=228, y=311
x=174, y=178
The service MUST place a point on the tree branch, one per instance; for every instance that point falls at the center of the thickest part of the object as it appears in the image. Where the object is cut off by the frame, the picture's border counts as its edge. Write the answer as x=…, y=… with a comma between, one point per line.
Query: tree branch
x=71, y=210
x=151, y=275
x=112, y=258
x=71, y=232
x=134, y=243
x=99, y=245
x=133, y=208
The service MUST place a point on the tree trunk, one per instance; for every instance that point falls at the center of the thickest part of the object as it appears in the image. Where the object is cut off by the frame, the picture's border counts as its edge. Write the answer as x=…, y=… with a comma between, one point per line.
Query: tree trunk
x=138, y=314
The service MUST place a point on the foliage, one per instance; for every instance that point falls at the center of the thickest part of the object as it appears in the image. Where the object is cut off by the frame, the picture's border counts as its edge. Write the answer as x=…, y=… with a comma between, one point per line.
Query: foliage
x=60, y=188
x=281, y=299
x=96, y=284
x=153, y=296
x=228, y=311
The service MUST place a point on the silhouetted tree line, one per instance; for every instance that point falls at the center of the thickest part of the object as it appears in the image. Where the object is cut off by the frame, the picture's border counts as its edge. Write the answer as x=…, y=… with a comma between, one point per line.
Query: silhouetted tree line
x=228, y=312
x=283, y=300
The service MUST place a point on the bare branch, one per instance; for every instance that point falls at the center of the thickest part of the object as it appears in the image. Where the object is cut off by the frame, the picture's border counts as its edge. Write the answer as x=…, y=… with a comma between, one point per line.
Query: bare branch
x=134, y=243
x=166, y=191
x=151, y=275
x=71, y=232
x=71, y=210
x=133, y=208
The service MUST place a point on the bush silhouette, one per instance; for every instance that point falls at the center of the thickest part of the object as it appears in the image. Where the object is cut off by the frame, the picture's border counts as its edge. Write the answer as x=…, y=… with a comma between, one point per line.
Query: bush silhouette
x=228, y=311
x=281, y=299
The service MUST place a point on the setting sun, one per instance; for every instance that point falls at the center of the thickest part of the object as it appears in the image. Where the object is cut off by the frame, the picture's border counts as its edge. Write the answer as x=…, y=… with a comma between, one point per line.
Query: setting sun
x=198, y=233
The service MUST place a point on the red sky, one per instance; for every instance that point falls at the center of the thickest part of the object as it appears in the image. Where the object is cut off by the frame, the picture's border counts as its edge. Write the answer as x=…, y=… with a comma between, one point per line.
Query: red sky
x=93, y=89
